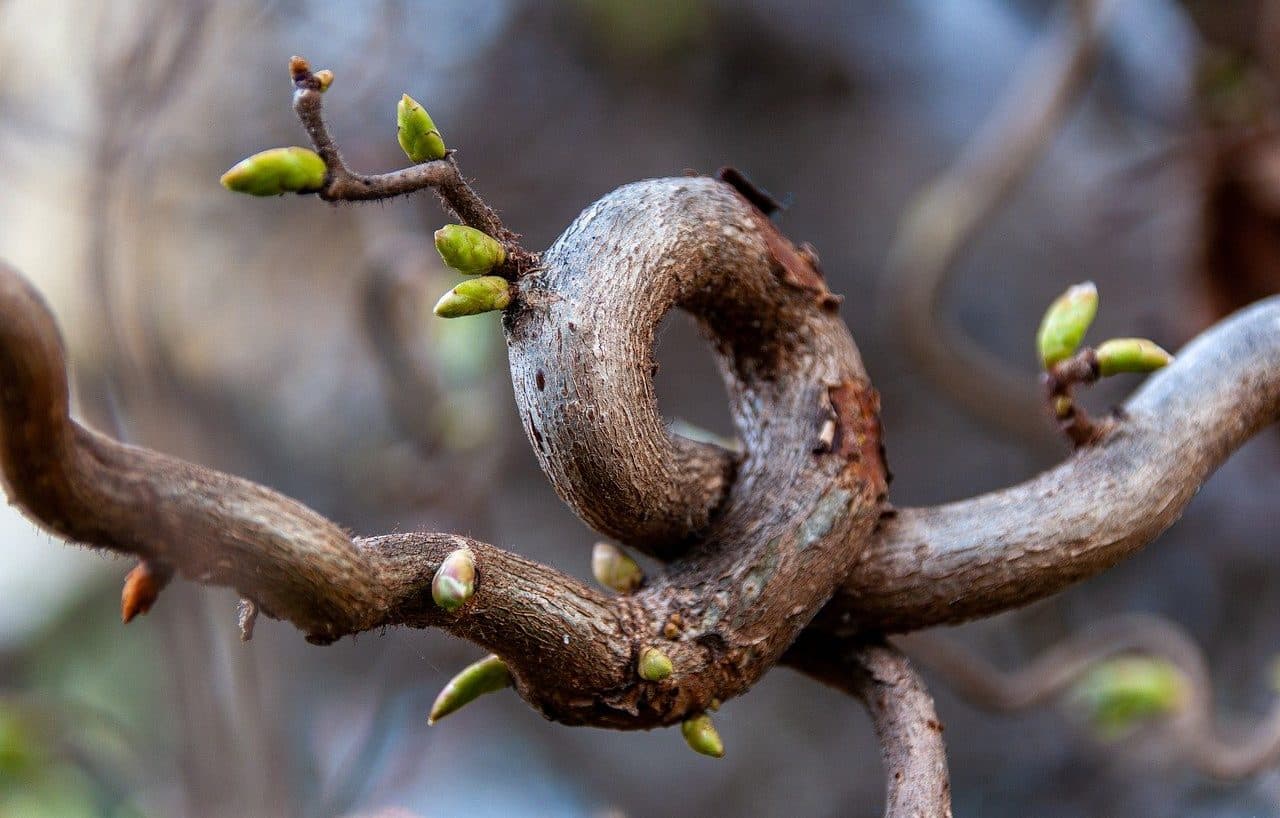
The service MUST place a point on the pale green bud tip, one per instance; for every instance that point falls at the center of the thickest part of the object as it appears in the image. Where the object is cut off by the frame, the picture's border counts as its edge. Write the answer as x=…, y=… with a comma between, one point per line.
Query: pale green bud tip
x=418, y=135
x=489, y=675
x=455, y=581
x=473, y=297
x=654, y=665
x=702, y=737
x=277, y=171
x=1130, y=355
x=1119, y=693
x=1065, y=323
x=325, y=77
x=614, y=569
x=467, y=250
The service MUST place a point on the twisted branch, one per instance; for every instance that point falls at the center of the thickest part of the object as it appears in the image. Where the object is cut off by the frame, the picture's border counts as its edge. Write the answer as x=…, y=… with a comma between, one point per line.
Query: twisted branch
x=1058, y=668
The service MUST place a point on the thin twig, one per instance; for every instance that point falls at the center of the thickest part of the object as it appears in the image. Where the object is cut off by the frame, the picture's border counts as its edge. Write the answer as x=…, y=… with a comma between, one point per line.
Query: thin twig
x=442, y=175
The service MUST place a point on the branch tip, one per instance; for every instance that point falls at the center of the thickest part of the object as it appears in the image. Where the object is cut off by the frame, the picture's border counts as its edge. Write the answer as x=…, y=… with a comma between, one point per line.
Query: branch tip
x=142, y=587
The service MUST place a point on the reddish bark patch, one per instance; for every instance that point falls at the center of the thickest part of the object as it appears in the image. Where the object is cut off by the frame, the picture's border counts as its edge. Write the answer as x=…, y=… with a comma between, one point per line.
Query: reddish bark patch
x=858, y=436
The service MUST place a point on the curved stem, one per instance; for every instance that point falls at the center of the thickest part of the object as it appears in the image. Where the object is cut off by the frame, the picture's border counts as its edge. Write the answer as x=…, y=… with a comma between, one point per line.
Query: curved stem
x=915, y=757
x=944, y=218
x=1055, y=670
x=951, y=563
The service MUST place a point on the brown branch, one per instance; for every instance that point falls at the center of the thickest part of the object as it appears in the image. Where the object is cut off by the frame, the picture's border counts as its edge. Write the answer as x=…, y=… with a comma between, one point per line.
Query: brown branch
x=951, y=563
x=902, y=712
x=1058, y=668
x=944, y=218
x=1060, y=382
x=442, y=175
x=780, y=543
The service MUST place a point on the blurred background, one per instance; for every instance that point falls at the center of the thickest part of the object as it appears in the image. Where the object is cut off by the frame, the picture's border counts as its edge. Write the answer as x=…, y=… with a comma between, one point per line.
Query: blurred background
x=980, y=155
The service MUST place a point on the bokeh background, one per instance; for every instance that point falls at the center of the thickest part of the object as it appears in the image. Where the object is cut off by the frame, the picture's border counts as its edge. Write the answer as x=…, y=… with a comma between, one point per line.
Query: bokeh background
x=291, y=342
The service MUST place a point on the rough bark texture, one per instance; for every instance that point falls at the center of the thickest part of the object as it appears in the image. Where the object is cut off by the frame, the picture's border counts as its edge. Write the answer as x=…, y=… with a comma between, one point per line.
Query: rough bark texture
x=902, y=712
x=758, y=544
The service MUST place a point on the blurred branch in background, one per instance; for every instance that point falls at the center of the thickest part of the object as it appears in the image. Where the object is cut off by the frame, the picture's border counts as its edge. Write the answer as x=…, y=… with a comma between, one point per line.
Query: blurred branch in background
x=1121, y=698
x=943, y=219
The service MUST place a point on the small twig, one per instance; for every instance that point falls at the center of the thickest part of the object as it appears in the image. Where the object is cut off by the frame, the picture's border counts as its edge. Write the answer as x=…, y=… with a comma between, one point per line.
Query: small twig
x=1060, y=381
x=1054, y=671
x=442, y=175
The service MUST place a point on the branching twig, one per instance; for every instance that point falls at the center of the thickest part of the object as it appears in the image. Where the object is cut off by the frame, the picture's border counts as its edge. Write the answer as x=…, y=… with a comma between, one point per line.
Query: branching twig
x=1057, y=669
x=442, y=175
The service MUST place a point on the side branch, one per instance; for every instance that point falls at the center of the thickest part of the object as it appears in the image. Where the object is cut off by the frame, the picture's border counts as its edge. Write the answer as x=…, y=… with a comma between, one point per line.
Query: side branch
x=950, y=563
x=442, y=175
x=902, y=712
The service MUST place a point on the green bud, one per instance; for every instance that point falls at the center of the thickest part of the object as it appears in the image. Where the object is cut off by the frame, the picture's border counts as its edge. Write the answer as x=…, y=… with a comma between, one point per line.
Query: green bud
x=654, y=665
x=455, y=581
x=325, y=77
x=702, y=737
x=1119, y=693
x=1130, y=355
x=613, y=569
x=489, y=675
x=277, y=171
x=467, y=250
x=418, y=135
x=1065, y=323
x=473, y=297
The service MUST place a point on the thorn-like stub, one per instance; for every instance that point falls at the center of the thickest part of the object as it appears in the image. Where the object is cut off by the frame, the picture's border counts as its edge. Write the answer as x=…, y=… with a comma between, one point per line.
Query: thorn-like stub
x=701, y=736
x=142, y=588
x=299, y=68
x=615, y=569
x=1065, y=323
x=654, y=665
x=479, y=295
x=489, y=675
x=246, y=618
x=467, y=250
x=455, y=581
x=417, y=133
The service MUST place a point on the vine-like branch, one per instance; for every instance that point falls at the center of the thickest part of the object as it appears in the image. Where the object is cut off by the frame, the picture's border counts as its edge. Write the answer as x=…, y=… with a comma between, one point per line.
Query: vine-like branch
x=944, y=218
x=902, y=712
x=1209, y=749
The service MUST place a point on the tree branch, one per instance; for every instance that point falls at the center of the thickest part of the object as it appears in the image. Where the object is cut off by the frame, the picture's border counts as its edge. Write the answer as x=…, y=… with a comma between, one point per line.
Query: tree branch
x=902, y=712
x=784, y=537
x=1054, y=671
x=951, y=563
